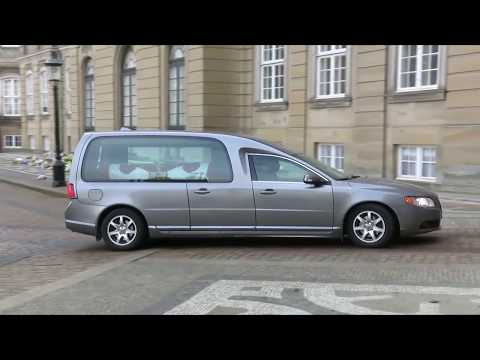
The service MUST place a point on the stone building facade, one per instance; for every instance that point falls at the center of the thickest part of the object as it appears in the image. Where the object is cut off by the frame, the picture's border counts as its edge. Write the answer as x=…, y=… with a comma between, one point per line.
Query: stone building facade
x=409, y=112
x=10, y=100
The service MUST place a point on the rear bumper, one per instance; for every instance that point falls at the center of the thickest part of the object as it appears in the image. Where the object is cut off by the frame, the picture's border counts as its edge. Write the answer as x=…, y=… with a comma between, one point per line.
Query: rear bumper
x=80, y=227
x=82, y=218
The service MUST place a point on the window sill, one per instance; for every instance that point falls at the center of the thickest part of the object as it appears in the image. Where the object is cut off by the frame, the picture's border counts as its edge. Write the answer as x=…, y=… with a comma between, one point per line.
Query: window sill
x=344, y=101
x=272, y=106
x=11, y=118
x=417, y=96
x=176, y=128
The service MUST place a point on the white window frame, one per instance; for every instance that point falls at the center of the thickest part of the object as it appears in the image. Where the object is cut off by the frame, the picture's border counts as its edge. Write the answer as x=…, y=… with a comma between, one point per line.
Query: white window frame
x=29, y=93
x=333, y=155
x=272, y=63
x=89, y=94
x=67, y=91
x=418, y=71
x=14, y=141
x=44, y=96
x=32, y=142
x=46, y=141
x=129, y=81
x=176, y=93
x=418, y=163
x=10, y=96
x=332, y=54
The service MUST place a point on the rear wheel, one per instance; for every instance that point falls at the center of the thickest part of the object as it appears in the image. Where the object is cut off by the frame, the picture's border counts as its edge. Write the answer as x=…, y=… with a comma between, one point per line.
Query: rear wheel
x=123, y=229
x=371, y=226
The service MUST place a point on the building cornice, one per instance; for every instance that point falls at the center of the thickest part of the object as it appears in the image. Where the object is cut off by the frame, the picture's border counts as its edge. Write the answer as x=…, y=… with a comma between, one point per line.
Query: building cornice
x=45, y=51
x=8, y=64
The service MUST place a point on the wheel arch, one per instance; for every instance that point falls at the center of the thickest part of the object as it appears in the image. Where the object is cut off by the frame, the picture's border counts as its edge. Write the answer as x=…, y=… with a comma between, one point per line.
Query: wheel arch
x=108, y=210
x=387, y=207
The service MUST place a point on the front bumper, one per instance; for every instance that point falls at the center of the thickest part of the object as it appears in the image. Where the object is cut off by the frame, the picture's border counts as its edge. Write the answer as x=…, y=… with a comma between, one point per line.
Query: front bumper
x=414, y=220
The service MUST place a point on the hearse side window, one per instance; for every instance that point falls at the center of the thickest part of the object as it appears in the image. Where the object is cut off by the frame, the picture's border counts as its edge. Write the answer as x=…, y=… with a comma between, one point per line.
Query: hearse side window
x=272, y=168
x=156, y=158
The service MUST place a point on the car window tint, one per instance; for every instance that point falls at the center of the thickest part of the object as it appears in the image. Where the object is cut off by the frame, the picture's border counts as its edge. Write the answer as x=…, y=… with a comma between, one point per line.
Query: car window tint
x=271, y=168
x=156, y=158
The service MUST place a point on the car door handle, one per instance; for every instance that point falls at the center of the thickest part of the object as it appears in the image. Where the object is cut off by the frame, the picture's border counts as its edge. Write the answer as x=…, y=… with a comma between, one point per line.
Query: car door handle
x=268, y=192
x=202, y=191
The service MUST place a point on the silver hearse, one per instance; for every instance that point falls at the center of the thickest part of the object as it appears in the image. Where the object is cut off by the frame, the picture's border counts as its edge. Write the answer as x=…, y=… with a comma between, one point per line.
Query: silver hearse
x=125, y=187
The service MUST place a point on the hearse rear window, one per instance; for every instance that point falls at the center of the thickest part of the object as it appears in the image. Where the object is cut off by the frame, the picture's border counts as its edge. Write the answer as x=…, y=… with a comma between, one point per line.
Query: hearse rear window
x=156, y=158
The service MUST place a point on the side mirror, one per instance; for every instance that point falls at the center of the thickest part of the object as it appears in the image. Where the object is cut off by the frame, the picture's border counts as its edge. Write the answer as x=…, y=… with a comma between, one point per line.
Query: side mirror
x=314, y=180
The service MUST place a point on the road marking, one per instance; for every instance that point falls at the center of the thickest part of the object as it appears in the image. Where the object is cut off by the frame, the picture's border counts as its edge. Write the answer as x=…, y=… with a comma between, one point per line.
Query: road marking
x=226, y=293
x=36, y=292
x=429, y=308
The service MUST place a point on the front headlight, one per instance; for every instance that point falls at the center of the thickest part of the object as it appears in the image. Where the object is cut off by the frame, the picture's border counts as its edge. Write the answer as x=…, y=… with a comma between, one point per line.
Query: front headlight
x=419, y=201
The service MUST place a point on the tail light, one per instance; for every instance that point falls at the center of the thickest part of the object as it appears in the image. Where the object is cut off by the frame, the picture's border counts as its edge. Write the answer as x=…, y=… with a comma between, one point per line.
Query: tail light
x=71, y=191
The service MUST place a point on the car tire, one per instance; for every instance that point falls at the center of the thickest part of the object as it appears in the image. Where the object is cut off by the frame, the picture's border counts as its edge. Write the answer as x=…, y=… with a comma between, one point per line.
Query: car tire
x=371, y=226
x=123, y=229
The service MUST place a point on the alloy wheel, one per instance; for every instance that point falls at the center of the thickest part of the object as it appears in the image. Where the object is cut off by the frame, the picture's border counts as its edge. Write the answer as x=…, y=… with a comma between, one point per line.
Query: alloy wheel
x=122, y=230
x=369, y=226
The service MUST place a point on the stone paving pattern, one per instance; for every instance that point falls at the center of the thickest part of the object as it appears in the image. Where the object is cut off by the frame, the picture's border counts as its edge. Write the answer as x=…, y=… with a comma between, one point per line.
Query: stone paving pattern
x=36, y=249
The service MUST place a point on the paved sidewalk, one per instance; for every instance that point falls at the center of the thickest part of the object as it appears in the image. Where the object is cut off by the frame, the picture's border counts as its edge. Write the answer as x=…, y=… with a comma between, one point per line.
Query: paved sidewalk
x=7, y=162
x=30, y=181
x=26, y=176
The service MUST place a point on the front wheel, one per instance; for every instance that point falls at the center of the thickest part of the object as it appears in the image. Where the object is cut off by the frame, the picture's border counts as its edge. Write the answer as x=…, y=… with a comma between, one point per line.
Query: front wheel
x=371, y=226
x=123, y=229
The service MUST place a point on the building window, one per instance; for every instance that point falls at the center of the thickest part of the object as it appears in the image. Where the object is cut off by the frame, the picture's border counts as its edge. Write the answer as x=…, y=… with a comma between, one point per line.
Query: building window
x=29, y=93
x=89, y=95
x=46, y=143
x=129, y=90
x=43, y=91
x=272, y=73
x=331, y=71
x=11, y=97
x=176, y=90
x=13, y=141
x=417, y=162
x=331, y=155
x=418, y=67
x=33, y=144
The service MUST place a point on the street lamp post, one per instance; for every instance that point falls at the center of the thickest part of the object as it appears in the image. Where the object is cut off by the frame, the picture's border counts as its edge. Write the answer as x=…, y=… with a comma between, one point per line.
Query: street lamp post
x=54, y=65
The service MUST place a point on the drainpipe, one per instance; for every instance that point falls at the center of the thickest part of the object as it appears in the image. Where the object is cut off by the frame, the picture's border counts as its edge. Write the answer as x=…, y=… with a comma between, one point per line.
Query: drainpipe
x=385, y=105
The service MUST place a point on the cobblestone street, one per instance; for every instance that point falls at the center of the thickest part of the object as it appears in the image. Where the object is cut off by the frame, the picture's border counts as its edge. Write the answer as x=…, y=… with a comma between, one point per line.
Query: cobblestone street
x=44, y=268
